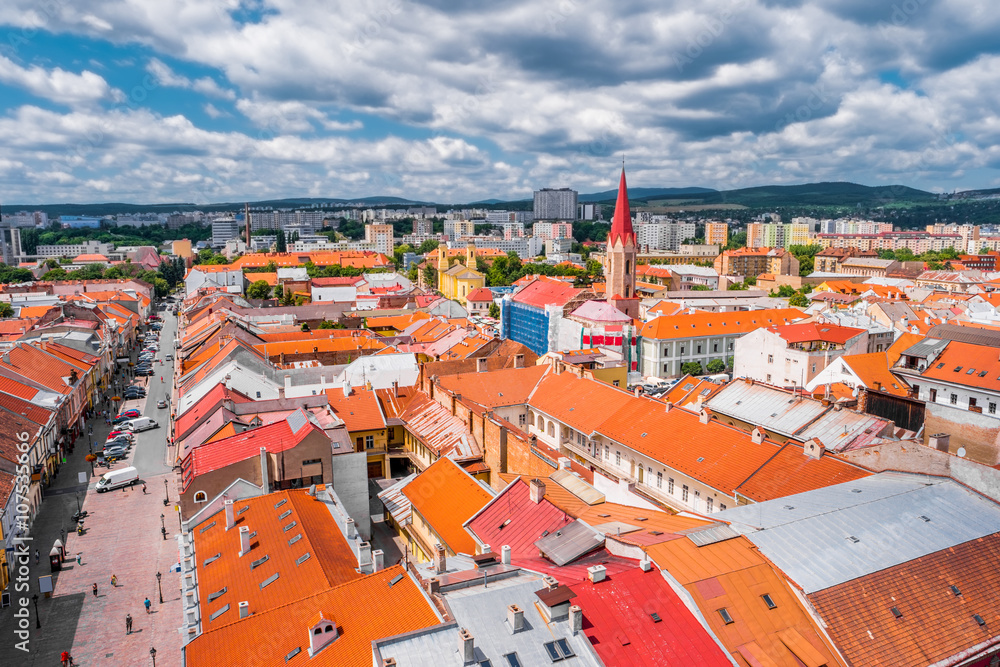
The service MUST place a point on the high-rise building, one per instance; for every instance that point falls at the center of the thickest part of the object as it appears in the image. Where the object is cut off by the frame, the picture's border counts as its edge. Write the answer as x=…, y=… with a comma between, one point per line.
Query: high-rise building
x=381, y=236
x=551, y=204
x=663, y=234
x=716, y=233
x=552, y=230
x=457, y=229
x=423, y=226
x=224, y=229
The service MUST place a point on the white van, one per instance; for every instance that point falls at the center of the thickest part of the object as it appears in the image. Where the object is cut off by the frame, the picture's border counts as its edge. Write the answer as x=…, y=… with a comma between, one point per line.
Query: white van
x=140, y=424
x=117, y=479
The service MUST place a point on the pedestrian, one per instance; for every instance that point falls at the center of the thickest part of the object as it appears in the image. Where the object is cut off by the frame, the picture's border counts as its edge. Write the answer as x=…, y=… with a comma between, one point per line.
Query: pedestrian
x=79, y=557
x=36, y=557
x=67, y=659
x=94, y=588
x=146, y=602
x=128, y=624
x=143, y=488
x=114, y=581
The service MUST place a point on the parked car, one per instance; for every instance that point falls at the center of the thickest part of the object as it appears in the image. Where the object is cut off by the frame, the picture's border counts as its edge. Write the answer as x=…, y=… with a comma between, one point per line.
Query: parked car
x=161, y=403
x=169, y=357
x=115, y=451
x=120, y=433
x=117, y=443
x=141, y=424
x=131, y=413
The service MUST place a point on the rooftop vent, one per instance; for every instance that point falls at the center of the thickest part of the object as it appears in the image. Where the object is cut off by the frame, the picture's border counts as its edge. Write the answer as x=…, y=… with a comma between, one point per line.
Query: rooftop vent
x=854, y=539
x=896, y=612
x=954, y=589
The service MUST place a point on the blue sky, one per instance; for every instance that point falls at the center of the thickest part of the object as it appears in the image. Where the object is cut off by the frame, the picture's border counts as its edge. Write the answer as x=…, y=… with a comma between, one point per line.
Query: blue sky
x=226, y=100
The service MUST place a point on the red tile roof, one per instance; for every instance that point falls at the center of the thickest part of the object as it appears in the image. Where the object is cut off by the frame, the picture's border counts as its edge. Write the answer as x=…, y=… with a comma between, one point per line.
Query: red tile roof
x=936, y=624
x=541, y=293
x=510, y=386
x=276, y=437
x=480, y=294
x=360, y=411
x=512, y=519
x=966, y=364
x=35, y=365
x=790, y=471
x=205, y=406
x=814, y=331
x=617, y=620
x=446, y=496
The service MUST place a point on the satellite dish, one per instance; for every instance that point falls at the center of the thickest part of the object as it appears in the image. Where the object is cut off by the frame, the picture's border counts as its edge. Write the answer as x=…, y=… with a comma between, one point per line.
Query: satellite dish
x=961, y=451
x=854, y=392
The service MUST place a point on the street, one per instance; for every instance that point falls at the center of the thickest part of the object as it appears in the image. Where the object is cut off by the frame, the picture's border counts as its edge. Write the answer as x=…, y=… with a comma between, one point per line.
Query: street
x=122, y=537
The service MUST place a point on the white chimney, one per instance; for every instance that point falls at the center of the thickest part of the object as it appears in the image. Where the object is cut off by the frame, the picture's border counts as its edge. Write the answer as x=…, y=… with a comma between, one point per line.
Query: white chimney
x=230, y=514
x=515, y=618
x=265, y=483
x=440, y=559
x=505, y=554
x=352, y=529
x=364, y=554
x=704, y=417
x=467, y=646
x=244, y=540
x=667, y=406
x=565, y=463
x=347, y=387
x=757, y=436
x=645, y=563
x=244, y=609
x=536, y=490
x=378, y=560
x=597, y=573
x=486, y=549
x=575, y=619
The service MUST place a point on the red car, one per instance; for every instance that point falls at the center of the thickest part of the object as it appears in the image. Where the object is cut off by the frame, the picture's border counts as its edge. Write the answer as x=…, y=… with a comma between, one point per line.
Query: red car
x=130, y=414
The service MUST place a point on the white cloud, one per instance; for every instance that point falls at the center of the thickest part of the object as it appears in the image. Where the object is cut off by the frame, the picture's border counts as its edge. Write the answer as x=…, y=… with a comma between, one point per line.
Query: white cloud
x=214, y=112
x=165, y=76
x=57, y=84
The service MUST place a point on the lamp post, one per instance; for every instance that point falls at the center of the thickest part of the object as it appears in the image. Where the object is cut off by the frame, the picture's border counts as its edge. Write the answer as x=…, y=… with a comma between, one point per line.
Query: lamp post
x=152, y=654
x=38, y=621
x=163, y=527
x=158, y=587
x=78, y=503
x=166, y=494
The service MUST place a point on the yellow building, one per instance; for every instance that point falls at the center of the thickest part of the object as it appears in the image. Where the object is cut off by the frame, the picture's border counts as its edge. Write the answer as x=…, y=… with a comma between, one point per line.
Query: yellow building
x=716, y=233
x=458, y=281
x=182, y=248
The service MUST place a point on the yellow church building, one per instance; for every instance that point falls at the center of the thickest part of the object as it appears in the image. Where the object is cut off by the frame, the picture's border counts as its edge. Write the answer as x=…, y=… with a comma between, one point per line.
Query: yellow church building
x=458, y=281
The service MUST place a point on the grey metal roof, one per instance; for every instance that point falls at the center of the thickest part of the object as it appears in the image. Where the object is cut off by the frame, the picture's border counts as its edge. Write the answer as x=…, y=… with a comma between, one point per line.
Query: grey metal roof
x=705, y=535
x=965, y=334
x=570, y=542
x=577, y=486
x=767, y=406
x=926, y=348
x=483, y=612
x=828, y=536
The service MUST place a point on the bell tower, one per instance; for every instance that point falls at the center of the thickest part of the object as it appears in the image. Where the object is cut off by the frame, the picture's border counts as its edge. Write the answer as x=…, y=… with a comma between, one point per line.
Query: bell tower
x=621, y=253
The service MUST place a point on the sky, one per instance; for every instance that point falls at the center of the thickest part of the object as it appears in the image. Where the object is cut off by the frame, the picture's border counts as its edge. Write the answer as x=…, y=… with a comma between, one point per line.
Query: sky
x=150, y=101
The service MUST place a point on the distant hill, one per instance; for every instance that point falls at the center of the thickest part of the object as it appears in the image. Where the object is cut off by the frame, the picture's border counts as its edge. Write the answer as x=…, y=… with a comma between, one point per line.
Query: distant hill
x=644, y=194
x=817, y=194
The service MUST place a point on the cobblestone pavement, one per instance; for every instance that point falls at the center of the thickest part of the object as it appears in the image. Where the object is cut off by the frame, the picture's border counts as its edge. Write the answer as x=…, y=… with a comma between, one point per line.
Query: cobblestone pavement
x=122, y=538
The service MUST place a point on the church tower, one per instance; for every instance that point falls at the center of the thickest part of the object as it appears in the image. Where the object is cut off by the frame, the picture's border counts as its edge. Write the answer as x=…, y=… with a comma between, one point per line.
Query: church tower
x=619, y=270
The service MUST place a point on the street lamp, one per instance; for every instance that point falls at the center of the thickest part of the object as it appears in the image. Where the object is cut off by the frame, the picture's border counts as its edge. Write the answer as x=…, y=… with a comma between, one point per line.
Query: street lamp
x=38, y=620
x=166, y=494
x=158, y=587
x=163, y=528
x=78, y=503
x=152, y=654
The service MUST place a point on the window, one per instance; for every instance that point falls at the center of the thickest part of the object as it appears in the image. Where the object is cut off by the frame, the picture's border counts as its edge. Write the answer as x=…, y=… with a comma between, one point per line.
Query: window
x=768, y=601
x=697, y=498
x=522, y=420
x=769, y=378
x=722, y=507
x=972, y=402
x=618, y=458
x=770, y=358
x=513, y=660
x=933, y=395
x=559, y=650
x=699, y=349
x=684, y=493
x=726, y=618
x=992, y=408
x=607, y=452
x=670, y=485
x=666, y=350
x=715, y=347
x=953, y=399
x=659, y=480
x=708, y=504
x=201, y=497
x=682, y=349
x=369, y=441
x=666, y=368
x=814, y=368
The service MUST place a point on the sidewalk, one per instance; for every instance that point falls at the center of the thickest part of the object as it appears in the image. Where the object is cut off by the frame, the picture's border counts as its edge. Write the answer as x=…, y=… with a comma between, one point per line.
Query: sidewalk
x=123, y=538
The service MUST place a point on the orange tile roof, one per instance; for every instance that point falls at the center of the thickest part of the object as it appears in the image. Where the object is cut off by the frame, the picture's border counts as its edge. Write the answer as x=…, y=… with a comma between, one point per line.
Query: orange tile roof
x=41, y=368
x=360, y=411
x=966, y=364
x=731, y=574
x=692, y=325
x=510, y=386
x=16, y=388
x=936, y=624
x=91, y=258
x=873, y=370
x=34, y=311
x=226, y=431
x=665, y=308
x=815, y=331
x=332, y=561
x=467, y=346
x=397, y=322
x=790, y=471
x=212, y=268
x=687, y=391
x=318, y=345
x=296, y=333
x=480, y=294
x=269, y=278
x=446, y=497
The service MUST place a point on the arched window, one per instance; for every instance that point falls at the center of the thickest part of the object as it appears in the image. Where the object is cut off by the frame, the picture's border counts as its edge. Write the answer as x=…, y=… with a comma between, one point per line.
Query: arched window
x=541, y=423
x=328, y=628
x=628, y=267
x=552, y=430
x=201, y=497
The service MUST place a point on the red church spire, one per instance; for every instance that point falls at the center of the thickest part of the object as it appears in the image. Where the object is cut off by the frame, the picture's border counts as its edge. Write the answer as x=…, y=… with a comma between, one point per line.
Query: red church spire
x=621, y=224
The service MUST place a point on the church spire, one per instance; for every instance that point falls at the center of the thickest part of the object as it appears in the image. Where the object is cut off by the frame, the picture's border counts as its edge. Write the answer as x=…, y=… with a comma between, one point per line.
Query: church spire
x=621, y=224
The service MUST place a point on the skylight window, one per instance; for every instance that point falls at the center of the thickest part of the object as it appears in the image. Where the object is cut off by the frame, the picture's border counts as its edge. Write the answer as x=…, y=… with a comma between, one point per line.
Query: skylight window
x=559, y=650
x=656, y=617
x=970, y=371
x=219, y=613
x=260, y=561
x=284, y=515
x=979, y=619
x=295, y=539
x=726, y=617
x=954, y=589
x=896, y=612
x=212, y=597
x=941, y=365
x=395, y=580
x=270, y=580
x=957, y=369
x=854, y=539
x=294, y=652
x=280, y=503
x=242, y=510
x=290, y=526
x=303, y=558
x=768, y=601
x=513, y=660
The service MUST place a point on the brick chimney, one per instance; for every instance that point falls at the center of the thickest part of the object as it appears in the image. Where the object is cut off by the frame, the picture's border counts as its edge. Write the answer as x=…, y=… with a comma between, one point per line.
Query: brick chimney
x=940, y=441
x=575, y=619
x=481, y=364
x=515, y=618
x=667, y=406
x=467, y=646
x=813, y=448
x=518, y=361
x=536, y=490
x=757, y=436
x=704, y=417
x=440, y=559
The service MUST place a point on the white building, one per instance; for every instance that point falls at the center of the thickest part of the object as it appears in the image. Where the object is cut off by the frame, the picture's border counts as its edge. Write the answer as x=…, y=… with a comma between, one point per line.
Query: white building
x=218, y=275
x=793, y=355
x=552, y=204
x=85, y=248
x=663, y=234
x=224, y=229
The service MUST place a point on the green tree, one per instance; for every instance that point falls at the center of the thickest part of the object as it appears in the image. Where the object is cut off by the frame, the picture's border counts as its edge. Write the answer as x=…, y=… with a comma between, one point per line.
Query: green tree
x=412, y=274
x=161, y=287
x=281, y=244
x=799, y=300
x=692, y=368
x=305, y=326
x=494, y=311
x=11, y=274
x=716, y=366
x=259, y=289
x=325, y=324
x=701, y=288
x=430, y=276
x=6, y=310
x=55, y=274
x=427, y=246
x=784, y=291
